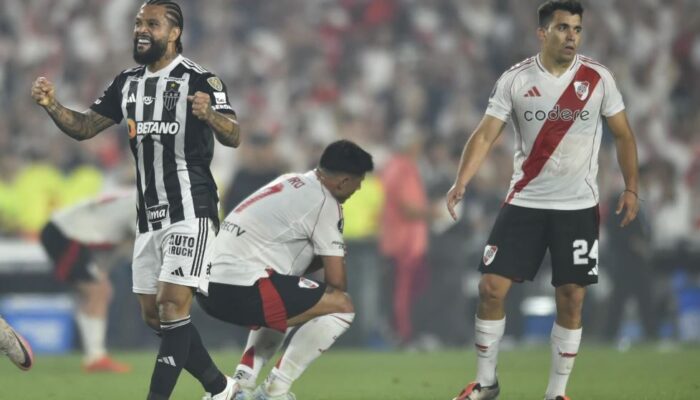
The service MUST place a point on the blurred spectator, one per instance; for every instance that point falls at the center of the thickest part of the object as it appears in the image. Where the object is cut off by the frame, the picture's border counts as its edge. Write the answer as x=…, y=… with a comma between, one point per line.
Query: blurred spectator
x=404, y=227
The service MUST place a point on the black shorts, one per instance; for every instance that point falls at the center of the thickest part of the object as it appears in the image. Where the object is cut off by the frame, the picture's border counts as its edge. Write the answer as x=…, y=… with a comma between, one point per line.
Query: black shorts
x=270, y=302
x=521, y=236
x=71, y=259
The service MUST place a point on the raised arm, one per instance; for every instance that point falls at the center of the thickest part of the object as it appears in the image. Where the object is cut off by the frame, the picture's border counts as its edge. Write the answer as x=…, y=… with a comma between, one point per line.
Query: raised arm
x=78, y=125
x=627, y=158
x=474, y=153
x=225, y=126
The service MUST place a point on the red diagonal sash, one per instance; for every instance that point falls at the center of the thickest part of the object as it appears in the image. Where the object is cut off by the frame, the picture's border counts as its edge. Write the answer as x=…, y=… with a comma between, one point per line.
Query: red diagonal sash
x=553, y=131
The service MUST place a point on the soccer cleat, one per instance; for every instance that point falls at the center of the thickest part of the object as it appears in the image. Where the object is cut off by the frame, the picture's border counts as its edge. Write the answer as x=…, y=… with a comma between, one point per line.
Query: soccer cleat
x=560, y=398
x=15, y=347
x=244, y=394
x=259, y=394
x=229, y=392
x=106, y=364
x=474, y=391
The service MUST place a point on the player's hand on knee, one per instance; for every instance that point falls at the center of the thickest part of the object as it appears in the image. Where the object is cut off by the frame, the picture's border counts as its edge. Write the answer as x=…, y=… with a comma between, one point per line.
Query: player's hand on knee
x=201, y=105
x=43, y=91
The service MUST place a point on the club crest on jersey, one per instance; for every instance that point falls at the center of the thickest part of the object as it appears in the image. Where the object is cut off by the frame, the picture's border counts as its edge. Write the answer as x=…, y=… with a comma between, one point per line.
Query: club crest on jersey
x=489, y=254
x=171, y=95
x=307, y=283
x=215, y=83
x=581, y=89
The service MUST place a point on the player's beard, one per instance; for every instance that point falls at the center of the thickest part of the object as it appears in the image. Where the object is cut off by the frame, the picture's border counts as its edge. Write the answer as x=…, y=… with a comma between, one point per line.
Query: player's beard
x=154, y=53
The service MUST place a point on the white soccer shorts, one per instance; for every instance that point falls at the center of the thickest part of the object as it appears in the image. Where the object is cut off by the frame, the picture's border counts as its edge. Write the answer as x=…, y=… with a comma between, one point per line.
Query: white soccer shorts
x=174, y=254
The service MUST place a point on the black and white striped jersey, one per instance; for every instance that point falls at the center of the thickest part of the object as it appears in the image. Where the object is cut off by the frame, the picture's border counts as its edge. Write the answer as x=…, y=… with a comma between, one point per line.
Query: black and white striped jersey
x=172, y=148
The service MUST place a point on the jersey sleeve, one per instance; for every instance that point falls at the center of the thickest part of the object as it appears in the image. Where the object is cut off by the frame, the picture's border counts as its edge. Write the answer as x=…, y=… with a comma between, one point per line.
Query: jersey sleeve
x=612, y=98
x=110, y=103
x=326, y=232
x=212, y=85
x=500, y=101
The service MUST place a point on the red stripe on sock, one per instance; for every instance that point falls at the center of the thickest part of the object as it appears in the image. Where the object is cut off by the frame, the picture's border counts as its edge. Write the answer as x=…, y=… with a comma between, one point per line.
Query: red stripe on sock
x=568, y=355
x=248, y=357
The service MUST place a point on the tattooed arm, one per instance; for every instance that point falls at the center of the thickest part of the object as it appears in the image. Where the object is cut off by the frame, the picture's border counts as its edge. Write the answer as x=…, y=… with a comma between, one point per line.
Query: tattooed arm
x=79, y=126
x=225, y=127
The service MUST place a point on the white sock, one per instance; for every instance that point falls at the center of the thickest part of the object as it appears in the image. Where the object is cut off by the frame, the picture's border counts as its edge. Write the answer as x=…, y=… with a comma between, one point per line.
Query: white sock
x=309, y=342
x=262, y=344
x=565, y=344
x=93, y=332
x=488, y=334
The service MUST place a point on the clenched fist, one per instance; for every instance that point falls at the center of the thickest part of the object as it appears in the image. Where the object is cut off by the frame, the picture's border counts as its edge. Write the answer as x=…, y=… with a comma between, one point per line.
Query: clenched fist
x=201, y=105
x=43, y=92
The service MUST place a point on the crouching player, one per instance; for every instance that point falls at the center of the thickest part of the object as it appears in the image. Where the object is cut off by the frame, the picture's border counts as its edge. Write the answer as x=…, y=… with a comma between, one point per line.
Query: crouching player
x=264, y=246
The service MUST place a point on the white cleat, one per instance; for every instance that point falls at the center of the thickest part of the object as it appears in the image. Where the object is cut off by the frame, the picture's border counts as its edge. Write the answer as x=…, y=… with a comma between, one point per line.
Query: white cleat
x=260, y=394
x=244, y=394
x=15, y=347
x=229, y=393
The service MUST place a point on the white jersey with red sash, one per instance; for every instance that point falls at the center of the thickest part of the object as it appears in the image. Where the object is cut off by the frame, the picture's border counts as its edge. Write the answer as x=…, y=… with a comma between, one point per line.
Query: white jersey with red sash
x=558, y=128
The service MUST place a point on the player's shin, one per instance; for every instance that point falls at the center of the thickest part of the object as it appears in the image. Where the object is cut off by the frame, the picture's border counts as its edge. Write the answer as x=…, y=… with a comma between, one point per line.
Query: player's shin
x=487, y=337
x=172, y=356
x=200, y=365
x=308, y=343
x=262, y=344
x=565, y=344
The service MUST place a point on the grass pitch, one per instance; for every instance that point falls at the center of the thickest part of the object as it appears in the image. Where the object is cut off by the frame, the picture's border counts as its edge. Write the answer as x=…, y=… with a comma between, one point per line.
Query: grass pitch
x=600, y=373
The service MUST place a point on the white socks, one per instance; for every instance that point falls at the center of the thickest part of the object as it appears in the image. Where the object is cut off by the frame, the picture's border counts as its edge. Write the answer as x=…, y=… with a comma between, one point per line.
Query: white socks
x=93, y=332
x=262, y=344
x=565, y=344
x=487, y=336
x=310, y=341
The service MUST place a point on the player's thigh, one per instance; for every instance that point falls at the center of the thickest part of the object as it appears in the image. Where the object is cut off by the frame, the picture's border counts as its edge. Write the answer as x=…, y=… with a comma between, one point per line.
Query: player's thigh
x=270, y=302
x=517, y=243
x=574, y=246
x=146, y=263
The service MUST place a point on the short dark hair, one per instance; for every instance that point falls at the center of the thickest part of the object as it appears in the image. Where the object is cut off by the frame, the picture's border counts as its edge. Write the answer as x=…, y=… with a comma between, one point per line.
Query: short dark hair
x=344, y=156
x=174, y=14
x=546, y=10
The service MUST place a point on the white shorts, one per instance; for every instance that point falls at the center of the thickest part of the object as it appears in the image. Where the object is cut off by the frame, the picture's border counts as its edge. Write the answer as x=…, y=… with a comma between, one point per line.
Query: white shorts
x=174, y=254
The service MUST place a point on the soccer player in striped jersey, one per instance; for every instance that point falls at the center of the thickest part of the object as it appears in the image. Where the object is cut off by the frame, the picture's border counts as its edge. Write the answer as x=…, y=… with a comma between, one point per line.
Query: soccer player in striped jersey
x=555, y=101
x=173, y=109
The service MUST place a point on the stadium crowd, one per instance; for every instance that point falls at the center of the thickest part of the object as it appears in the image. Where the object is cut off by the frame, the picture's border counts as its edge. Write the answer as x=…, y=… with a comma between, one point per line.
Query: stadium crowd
x=384, y=73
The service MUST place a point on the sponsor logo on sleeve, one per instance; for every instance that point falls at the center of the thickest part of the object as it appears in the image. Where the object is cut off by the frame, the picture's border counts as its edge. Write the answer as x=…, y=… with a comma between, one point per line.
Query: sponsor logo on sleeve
x=489, y=254
x=220, y=97
x=215, y=83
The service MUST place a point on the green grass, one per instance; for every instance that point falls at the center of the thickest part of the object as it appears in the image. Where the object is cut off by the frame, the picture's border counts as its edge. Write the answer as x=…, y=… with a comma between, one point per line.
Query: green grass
x=600, y=373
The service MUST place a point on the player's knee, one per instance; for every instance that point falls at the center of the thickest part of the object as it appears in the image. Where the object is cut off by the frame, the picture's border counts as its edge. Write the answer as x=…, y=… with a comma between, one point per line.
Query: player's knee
x=342, y=303
x=490, y=290
x=151, y=319
x=169, y=309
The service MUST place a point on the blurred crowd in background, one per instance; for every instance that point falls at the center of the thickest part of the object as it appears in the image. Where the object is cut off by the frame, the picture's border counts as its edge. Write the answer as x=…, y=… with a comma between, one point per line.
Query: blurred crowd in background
x=408, y=80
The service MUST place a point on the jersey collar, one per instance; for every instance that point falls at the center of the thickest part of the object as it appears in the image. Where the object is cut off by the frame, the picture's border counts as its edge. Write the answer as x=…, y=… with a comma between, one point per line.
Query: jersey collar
x=164, y=71
x=543, y=70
